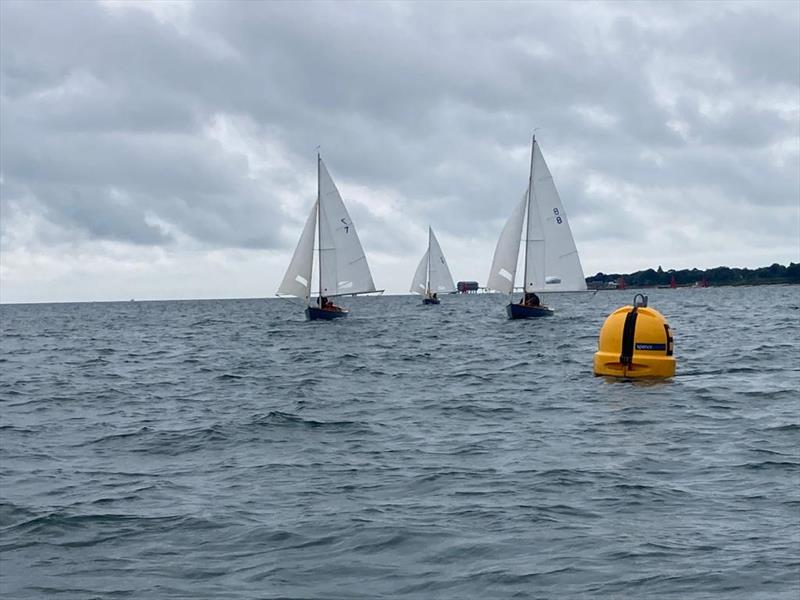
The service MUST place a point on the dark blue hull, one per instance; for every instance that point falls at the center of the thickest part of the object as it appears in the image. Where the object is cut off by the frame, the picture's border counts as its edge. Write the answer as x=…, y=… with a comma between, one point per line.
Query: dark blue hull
x=317, y=314
x=517, y=311
x=430, y=301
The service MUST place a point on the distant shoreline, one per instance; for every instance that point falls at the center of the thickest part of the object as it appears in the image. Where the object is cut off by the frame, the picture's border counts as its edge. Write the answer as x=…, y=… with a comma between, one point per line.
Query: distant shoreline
x=690, y=287
x=262, y=298
x=689, y=278
x=775, y=274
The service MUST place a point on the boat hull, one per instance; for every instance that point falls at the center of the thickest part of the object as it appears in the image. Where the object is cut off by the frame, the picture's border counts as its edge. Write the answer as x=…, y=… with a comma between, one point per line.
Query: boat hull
x=517, y=311
x=431, y=301
x=317, y=314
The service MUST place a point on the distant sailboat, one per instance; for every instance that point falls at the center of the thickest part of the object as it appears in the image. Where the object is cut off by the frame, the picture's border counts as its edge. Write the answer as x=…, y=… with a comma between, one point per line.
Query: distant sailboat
x=551, y=258
x=343, y=268
x=432, y=275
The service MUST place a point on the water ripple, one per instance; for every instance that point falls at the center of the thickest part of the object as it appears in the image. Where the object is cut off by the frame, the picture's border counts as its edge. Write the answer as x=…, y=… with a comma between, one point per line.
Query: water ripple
x=228, y=449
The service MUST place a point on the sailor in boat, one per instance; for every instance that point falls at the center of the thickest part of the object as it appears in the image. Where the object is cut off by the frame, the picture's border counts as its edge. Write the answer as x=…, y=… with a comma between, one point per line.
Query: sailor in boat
x=326, y=304
x=530, y=299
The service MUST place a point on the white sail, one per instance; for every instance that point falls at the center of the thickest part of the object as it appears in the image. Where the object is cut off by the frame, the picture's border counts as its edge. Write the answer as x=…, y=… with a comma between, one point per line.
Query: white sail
x=441, y=281
x=506, y=254
x=419, y=283
x=558, y=259
x=343, y=265
x=297, y=280
x=534, y=246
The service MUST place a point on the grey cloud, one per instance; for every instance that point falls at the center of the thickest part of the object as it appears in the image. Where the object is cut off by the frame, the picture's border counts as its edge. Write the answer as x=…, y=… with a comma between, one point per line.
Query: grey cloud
x=98, y=148
x=435, y=102
x=759, y=43
x=118, y=219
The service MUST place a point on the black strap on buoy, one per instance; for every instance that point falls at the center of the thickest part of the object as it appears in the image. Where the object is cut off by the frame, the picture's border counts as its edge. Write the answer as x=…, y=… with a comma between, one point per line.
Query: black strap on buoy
x=669, y=340
x=628, y=330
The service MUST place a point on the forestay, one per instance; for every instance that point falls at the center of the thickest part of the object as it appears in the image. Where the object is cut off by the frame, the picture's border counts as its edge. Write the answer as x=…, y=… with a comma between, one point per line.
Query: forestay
x=343, y=265
x=297, y=280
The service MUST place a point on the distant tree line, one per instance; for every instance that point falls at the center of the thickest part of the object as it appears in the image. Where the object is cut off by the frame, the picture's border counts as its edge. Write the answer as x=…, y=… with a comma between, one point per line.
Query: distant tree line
x=688, y=277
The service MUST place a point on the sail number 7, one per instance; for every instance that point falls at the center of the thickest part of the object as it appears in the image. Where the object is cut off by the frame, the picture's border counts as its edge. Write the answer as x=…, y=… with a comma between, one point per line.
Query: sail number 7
x=346, y=225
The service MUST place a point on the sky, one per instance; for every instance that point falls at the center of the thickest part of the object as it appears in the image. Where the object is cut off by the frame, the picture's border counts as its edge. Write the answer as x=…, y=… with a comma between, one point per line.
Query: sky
x=166, y=150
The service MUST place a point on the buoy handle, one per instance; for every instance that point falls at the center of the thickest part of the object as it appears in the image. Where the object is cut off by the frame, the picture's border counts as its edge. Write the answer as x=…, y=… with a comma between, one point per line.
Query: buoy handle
x=642, y=302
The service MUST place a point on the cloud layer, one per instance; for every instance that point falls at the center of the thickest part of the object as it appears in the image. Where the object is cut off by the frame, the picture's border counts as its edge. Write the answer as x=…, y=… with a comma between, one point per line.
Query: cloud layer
x=140, y=142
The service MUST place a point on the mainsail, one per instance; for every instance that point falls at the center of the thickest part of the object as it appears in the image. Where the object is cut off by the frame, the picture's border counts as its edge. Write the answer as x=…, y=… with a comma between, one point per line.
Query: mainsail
x=343, y=264
x=439, y=276
x=561, y=264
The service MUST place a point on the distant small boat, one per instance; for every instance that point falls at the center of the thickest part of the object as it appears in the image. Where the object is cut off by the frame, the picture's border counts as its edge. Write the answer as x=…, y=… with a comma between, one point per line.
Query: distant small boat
x=551, y=258
x=432, y=276
x=343, y=268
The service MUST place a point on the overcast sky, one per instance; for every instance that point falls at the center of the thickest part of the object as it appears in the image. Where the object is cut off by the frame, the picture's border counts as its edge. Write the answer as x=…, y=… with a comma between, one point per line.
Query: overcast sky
x=166, y=149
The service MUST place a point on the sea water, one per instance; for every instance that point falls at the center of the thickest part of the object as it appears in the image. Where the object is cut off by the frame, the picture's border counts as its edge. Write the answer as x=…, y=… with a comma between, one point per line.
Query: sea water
x=229, y=449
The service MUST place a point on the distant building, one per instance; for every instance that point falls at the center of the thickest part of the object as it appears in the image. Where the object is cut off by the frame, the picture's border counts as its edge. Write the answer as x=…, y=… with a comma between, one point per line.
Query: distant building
x=467, y=287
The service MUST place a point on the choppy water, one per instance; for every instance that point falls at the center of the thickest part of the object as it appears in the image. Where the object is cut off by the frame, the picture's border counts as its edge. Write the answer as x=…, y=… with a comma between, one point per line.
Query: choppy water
x=228, y=449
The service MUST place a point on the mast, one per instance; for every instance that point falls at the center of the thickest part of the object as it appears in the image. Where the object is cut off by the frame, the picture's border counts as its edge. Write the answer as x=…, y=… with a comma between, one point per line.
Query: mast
x=319, y=231
x=428, y=290
x=527, y=224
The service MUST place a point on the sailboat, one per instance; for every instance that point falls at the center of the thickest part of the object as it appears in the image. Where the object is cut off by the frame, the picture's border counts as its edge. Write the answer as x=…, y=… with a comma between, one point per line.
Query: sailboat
x=432, y=275
x=551, y=258
x=342, y=265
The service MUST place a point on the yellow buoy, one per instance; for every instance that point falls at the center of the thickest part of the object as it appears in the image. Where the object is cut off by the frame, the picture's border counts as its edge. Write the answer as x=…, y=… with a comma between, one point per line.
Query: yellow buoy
x=635, y=341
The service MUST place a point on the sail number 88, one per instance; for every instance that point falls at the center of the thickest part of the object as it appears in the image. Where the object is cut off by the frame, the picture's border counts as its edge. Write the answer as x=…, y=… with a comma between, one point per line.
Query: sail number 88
x=558, y=216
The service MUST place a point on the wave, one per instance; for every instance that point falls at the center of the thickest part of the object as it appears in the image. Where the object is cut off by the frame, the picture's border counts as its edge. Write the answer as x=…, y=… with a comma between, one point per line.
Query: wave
x=284, y=419
x=236, y=449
